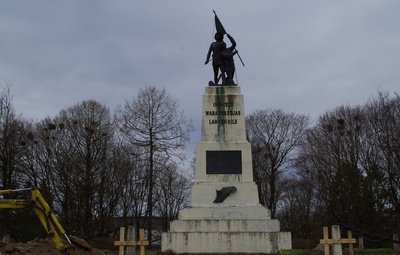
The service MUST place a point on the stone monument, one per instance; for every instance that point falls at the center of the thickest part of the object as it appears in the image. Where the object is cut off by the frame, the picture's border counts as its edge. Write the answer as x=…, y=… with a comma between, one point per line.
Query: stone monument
x=225, y=215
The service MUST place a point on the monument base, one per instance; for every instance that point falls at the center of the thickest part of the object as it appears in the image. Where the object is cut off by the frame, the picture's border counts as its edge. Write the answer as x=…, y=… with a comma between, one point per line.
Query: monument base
x=221, y=230
x=237, y=225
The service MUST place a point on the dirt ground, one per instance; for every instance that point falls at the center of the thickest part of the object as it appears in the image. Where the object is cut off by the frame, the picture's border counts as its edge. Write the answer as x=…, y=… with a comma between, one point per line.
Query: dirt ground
x=46, y=247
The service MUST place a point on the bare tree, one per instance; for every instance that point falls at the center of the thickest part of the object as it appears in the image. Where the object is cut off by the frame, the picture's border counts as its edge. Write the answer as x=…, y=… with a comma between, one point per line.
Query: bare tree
x=274, y=136
x=154, y=122
x=334, y=156
x=74, y=148
x=300, y=210
x=39, y=157
x=12, y=158
x=12, y=134
x=383, y=135
x=134, y=185
x=173, y=191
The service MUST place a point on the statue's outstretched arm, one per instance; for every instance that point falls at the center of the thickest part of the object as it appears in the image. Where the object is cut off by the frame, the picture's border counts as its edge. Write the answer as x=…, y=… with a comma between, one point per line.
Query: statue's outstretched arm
x=208, y=55
x=232, y=40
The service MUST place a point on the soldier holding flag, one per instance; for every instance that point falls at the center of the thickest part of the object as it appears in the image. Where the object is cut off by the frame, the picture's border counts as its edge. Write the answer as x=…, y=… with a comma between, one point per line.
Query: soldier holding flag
x=222, y=57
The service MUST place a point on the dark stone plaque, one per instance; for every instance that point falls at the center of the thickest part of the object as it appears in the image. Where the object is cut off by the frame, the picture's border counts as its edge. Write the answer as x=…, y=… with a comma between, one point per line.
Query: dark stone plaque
x=224, y=162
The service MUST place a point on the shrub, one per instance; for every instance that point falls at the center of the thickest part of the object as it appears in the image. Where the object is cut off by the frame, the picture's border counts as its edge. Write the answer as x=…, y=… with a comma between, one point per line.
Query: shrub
x=292, y=252
x=166, y=252
x=373, y=251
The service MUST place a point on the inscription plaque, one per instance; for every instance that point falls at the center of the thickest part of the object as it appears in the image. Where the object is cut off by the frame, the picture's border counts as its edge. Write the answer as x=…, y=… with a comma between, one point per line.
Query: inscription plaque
x=224, y=162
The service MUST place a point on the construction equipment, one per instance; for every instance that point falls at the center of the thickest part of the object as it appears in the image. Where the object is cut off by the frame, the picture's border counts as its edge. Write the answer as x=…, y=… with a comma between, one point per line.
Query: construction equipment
x=44, y=213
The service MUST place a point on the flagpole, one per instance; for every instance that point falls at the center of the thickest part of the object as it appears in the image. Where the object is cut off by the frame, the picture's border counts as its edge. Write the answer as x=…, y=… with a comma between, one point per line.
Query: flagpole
x=240, y=58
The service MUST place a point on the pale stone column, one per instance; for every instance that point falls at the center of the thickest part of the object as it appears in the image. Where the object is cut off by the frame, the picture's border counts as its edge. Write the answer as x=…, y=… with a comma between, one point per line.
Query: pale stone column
x=361, y=242
x=336, y=248
x=396, y=246
x=131, y=236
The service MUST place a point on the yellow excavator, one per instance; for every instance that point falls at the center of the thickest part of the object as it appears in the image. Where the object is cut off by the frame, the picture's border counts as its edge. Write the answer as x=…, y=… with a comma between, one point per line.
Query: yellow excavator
x=44, y=213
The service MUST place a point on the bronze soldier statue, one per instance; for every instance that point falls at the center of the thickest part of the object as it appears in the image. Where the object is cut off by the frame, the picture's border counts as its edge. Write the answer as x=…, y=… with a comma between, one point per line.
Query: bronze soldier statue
x=228, y=62
x=222, y=57
x=216, y=48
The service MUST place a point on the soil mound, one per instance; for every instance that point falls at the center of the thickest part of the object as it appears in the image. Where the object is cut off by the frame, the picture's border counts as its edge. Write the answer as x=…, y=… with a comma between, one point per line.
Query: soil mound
x=46, y=247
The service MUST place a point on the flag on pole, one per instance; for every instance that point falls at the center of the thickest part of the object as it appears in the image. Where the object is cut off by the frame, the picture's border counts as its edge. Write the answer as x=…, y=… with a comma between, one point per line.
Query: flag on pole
x=218, y=25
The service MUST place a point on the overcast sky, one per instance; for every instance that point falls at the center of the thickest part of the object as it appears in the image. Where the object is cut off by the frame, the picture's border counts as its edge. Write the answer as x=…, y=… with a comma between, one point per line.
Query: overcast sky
x=301, y=56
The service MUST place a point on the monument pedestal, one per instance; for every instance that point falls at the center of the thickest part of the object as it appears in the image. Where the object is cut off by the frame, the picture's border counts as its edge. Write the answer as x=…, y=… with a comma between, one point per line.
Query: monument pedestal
x=238, y=223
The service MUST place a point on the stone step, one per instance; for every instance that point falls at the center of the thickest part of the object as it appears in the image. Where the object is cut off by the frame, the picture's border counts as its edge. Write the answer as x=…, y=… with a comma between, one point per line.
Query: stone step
x=224, y=213
x=252, y=225
x=234, y=242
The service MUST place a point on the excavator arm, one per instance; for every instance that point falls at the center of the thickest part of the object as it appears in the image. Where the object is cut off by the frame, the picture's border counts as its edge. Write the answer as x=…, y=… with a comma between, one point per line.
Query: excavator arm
x=42, y=210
